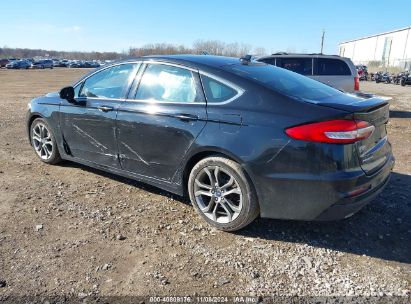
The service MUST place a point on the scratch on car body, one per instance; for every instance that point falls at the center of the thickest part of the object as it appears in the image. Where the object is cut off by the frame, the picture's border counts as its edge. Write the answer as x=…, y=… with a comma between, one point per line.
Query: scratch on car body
x=93, y=141
x=135, y=153
x=278, y=152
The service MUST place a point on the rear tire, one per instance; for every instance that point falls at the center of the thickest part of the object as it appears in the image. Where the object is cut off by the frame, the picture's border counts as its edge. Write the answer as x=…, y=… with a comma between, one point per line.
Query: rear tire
x=222, y=193
x=403, y=82
x=43, y=141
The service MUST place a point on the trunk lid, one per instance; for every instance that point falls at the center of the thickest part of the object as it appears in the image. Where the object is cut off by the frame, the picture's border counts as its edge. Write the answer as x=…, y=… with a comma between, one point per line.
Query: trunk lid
x=374, y=151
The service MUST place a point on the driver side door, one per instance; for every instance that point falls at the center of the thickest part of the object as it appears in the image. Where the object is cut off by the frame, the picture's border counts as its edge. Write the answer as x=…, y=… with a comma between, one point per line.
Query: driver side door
x=89, y=124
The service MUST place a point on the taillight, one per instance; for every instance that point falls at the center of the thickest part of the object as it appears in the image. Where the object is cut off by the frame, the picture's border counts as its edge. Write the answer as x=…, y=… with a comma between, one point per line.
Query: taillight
x=356, y=83
x=332, y=131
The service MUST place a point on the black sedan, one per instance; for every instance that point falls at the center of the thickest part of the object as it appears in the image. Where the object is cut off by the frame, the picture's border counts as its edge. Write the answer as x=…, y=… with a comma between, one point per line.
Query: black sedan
x=240, y=138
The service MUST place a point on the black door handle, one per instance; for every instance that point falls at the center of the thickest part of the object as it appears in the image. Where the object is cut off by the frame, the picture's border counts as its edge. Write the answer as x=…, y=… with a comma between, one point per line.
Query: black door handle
x=105, y=108
x=187, y=117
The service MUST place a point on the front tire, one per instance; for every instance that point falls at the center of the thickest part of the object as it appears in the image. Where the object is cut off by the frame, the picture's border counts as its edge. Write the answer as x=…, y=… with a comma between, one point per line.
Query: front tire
x=222, y=193
x=43, y=141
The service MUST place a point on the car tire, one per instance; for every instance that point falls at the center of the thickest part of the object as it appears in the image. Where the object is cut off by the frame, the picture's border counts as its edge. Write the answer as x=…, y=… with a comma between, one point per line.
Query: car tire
x=227, y=208
x=43, y=142
x=403, y=82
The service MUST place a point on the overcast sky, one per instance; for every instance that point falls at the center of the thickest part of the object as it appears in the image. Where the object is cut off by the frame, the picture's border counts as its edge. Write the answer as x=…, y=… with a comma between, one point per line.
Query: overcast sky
x=108, y=25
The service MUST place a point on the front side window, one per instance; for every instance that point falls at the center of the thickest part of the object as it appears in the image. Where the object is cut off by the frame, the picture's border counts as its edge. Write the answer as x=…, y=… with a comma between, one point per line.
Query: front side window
x=303, y=66
x=332, y=67
x=216, y=91
x=108, y=83
x=162, y=82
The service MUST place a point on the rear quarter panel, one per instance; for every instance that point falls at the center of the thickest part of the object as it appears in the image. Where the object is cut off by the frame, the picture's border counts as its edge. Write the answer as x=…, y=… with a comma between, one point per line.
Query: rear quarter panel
x=250, y=130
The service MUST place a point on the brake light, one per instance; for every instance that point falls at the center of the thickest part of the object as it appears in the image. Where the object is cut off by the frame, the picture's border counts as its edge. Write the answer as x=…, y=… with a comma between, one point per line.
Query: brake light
x=332, y=131
x=356, y=83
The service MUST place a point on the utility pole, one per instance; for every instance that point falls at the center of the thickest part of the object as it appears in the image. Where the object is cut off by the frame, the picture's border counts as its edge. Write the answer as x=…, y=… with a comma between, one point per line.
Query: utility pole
x=322, y=42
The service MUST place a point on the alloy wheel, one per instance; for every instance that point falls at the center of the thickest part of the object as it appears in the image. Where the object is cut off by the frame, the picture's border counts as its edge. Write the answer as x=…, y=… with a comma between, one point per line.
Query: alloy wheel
x=218, y=194
x=42, y=141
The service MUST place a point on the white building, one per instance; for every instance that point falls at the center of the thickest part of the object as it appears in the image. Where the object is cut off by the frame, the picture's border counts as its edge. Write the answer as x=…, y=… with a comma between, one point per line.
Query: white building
x=388, y=49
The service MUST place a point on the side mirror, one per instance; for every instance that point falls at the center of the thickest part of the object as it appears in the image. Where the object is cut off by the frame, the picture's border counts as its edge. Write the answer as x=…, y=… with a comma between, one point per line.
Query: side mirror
x=67, y=93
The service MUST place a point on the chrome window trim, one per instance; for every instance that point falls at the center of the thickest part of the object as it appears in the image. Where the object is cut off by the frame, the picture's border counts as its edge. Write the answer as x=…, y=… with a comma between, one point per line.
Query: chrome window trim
x=104, y=98
x=157, y=102
x=240, y=91
x=177, y=65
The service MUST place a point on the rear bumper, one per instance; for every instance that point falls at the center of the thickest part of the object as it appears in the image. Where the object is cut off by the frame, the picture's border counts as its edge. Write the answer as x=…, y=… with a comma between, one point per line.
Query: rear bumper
x=348, y=207
x=325, y=197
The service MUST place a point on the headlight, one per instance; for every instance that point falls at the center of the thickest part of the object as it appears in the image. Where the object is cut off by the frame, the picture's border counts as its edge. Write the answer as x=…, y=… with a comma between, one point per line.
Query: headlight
x=29, y=106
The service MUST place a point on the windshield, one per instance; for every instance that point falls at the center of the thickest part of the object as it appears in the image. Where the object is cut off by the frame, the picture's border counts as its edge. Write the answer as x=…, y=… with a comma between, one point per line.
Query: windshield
x=284, y=81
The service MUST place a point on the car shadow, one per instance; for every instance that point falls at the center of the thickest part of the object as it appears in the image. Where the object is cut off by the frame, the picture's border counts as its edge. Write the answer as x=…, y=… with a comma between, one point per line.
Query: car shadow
x=382, y=229
x=127, y=181
x=399, y=114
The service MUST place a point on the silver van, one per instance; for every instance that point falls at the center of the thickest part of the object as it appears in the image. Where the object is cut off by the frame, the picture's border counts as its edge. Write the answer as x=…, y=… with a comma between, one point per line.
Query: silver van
x=338, y=72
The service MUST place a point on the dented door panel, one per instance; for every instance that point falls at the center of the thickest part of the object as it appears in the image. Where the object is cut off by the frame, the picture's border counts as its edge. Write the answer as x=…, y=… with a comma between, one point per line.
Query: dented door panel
x=89, y=129
x=153, y=139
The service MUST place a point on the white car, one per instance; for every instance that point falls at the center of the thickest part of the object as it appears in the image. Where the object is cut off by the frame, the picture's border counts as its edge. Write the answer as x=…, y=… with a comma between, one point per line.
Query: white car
x=338, y=72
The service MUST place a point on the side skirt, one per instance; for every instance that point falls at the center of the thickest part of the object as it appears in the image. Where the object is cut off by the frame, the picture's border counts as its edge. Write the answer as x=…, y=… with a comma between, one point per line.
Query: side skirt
x=164, y=185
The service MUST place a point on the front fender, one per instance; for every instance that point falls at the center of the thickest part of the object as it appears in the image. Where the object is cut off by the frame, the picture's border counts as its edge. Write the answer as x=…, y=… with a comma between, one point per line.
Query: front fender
x=47, y=108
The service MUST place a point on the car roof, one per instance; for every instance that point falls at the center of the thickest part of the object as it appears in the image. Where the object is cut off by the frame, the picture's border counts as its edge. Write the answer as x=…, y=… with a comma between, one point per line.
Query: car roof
x=302, y=55
x=190, y=60
x=203, y=62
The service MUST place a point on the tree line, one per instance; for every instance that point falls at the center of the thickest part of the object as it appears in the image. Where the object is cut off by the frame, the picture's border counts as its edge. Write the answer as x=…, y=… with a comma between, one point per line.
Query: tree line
x=212, y=47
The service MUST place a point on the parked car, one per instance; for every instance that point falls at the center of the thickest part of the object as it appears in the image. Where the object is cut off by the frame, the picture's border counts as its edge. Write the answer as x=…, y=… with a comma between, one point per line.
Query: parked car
x=56, y=63
x=42, y=64
x=18, y=64
x=241, y=138
x=338, y=72
x=4, y=62
x=75, y=64
x=64, y=63
x=92, y=64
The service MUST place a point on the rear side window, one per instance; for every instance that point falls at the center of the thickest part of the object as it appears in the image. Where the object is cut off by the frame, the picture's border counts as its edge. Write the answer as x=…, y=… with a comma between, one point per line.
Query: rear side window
x=327, y=66
x=268, y=61
x=216, y=91
x=166, y=83
x=303, y=66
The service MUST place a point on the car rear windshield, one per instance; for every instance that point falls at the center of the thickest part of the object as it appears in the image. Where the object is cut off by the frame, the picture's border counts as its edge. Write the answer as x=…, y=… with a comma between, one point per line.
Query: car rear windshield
x=284, y=81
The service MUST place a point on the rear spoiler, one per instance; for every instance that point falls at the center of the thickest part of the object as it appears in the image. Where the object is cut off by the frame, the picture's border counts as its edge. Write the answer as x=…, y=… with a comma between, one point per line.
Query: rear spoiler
x=370, y=95
x=367, y=103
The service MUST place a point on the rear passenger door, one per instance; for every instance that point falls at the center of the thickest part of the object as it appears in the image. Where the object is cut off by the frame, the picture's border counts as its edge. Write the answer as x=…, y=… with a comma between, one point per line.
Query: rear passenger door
x=160, y=120
x=334, y=72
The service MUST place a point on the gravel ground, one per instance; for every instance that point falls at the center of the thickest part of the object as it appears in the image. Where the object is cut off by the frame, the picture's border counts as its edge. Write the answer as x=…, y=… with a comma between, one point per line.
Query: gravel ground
x=72, y=231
